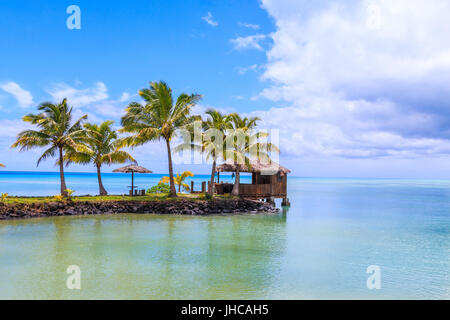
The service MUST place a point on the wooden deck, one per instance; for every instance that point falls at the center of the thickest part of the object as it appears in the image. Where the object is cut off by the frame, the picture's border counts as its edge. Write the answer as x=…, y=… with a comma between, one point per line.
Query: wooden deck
x=254, y=191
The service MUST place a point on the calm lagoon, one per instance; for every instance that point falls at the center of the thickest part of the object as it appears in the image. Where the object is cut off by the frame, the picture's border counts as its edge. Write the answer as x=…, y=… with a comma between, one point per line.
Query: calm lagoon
x=318, y=248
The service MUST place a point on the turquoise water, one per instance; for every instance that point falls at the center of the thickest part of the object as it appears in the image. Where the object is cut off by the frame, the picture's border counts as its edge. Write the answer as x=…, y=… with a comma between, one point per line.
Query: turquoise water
x=319, y=248
x=48, y=183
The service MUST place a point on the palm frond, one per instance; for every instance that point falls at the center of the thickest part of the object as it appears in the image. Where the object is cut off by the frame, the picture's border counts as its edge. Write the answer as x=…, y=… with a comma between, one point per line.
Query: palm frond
x=51, y=152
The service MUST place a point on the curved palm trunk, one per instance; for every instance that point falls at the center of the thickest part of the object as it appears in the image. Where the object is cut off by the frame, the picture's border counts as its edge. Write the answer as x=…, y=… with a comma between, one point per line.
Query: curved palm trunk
x=173, y=191
x=101, y=188
x=235, y=191
x=179, y=187
x=61, y=173
x=211, y=189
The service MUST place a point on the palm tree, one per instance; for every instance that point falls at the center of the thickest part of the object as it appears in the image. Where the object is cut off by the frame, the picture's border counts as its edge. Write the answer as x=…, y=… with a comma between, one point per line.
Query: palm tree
x=244, y=123
x=158, y=118
x=216, y=126
x=55, y=130
x=179, y=180
x=213, y=139
x=101, y=147
x=244, y=145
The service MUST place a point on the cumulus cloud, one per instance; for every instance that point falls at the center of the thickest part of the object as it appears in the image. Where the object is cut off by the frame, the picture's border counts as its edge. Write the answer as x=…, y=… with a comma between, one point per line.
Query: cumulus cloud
x=210, y=20
x=248, y=42
x=361, y=78
x=79, y=97
x=23, y=97
x=10, y=128
x=94, y=100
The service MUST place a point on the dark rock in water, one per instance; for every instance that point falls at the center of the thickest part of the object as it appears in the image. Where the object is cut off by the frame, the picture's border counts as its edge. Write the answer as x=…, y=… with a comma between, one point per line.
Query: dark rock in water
x=71, y=212
x=21, y=213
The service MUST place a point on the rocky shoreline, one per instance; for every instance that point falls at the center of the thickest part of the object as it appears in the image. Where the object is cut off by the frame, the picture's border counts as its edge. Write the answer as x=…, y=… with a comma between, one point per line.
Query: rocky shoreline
x=176, y=207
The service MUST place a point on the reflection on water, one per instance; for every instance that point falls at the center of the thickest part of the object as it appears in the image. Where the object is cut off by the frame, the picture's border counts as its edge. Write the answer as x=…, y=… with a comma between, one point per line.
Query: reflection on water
x=319, y=248
x=143, y=256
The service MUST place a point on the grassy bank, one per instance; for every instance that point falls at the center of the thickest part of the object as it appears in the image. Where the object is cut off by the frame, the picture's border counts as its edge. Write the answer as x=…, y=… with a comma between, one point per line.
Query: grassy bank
x=151, y=197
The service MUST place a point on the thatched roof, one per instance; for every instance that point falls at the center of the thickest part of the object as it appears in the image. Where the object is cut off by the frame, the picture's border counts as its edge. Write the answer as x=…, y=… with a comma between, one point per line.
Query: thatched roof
x=132, y=168
x=256, y=166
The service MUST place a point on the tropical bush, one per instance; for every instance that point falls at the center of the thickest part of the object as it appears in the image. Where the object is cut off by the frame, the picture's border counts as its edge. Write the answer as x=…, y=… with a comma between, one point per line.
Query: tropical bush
x=58, y=198
x=4, y=196
x=160, y=188
x=207, y=196
x=69, y=193
x=179, y=180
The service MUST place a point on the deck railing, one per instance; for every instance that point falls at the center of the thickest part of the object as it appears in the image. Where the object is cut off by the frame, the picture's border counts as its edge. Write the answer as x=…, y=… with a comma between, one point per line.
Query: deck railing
x=251, y=190
x=255, y=190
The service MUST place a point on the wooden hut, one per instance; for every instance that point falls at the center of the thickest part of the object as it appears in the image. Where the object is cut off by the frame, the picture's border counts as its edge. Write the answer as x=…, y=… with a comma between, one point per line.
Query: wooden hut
x=269, y=181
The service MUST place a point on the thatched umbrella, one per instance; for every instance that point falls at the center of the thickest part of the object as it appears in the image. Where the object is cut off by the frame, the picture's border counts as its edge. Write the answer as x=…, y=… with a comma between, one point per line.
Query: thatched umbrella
x=132, y=168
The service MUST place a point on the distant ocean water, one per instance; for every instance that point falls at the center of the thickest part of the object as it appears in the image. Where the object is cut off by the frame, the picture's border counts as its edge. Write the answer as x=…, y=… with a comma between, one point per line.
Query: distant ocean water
x=320, y=247
x=17, y=183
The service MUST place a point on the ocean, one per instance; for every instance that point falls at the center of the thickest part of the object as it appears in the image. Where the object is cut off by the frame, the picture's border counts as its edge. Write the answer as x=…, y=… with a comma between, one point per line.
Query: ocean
x=319, y=248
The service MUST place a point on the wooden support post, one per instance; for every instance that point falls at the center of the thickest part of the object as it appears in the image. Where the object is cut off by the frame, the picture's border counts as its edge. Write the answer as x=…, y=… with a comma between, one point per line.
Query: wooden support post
x=203, y=186
x=285, y=202
x=132, y=182
x=271, y=200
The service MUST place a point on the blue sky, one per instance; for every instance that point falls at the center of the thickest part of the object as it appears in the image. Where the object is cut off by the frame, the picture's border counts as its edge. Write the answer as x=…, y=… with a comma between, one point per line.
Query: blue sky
x=126, y=44
x=356, y=88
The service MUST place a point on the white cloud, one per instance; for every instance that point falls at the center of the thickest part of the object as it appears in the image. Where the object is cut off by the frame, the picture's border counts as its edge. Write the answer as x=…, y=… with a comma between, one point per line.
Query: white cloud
x=330, y=127
x=249, y=25
x=23, y=97
x=10, y=128
x=125, y=97
x=210, y=20
x=93, y=101
x=248, y=42
x=363, y=79
x=79, y=97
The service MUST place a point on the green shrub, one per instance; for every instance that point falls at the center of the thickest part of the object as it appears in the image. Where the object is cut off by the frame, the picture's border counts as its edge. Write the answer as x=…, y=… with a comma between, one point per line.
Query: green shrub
x=69, y=193
x=206, y=196
x=160, y=188
x=4, y=196
x=58, y=198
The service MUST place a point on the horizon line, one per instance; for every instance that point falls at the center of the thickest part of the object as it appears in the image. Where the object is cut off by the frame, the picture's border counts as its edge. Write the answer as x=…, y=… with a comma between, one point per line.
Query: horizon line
x=242, y=173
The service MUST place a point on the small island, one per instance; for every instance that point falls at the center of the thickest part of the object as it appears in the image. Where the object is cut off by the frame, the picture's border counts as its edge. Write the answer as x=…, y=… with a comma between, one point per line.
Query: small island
x=229, y=140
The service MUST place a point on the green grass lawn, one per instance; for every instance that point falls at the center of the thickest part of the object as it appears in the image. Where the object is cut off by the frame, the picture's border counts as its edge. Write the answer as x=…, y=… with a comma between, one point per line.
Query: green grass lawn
x=150, y=197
